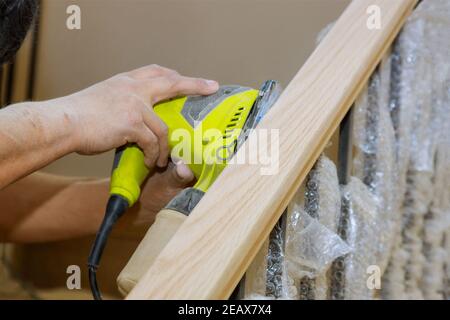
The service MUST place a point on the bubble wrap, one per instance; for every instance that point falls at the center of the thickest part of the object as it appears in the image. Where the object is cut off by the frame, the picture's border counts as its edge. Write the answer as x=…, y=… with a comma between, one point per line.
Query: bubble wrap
x=395, y=212
x=420, y=78
x=322, y=203
x=402, y=106
x=436, y=223
x=405, y=78
x=302, y=247
x=375, y=161
x=359, y=209
x=417, y=201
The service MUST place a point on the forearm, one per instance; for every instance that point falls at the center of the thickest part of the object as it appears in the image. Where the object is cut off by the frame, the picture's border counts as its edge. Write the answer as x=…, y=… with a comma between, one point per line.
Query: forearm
x=32, y=135
x=43, y=207
x=105, y=116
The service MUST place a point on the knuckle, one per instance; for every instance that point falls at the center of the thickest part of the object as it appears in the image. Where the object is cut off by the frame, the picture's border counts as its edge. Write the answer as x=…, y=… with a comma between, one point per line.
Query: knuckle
x=160, y=68
x=173, y=73
x=119, y=76
x=173, y=78
x=133, y=85
x=175, y=83
x=152, y=156
x=164, y=130
x=152, y=140
x=134, y=117
x=148, y=162
x=200, y=82
x=155, y=66
x=150, y=159
x=131, y=102
x=124, y=82
x=123, y=77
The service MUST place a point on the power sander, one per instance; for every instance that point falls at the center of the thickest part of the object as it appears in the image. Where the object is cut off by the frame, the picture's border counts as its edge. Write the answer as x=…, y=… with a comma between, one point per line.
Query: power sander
x=204, y=132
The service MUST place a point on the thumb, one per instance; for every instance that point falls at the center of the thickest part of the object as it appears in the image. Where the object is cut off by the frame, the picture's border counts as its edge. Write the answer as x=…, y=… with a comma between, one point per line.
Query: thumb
x=180, y=175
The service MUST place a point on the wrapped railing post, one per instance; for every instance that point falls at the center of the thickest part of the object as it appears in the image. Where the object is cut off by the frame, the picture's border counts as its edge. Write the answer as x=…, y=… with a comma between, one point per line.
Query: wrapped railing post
x=322, y=203
x=302, y=248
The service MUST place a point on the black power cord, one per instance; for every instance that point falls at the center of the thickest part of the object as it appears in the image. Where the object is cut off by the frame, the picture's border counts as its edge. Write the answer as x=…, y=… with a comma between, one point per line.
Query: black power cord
x=115, y=208
x=93, y=283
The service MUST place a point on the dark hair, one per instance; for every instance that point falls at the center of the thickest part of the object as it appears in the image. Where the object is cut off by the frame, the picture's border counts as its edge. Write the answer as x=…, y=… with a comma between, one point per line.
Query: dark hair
x=16, y=17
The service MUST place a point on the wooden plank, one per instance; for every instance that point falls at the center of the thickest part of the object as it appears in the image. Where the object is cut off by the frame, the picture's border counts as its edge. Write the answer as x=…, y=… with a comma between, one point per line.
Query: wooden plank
x=212, y=250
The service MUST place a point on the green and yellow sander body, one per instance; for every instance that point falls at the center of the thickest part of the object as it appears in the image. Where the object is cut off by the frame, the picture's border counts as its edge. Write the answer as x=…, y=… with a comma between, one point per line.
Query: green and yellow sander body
x=204, y=132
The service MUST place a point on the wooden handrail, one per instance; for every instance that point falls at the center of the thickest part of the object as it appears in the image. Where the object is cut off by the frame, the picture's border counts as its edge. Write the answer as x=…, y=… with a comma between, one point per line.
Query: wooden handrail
x=211, y=251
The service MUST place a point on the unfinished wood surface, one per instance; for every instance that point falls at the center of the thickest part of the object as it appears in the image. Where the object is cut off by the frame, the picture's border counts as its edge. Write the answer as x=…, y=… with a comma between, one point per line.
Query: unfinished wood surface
x=213, y=248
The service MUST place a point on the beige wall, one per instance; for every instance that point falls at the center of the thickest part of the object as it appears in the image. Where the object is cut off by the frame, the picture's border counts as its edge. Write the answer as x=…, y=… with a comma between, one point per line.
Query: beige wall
x=234, y=41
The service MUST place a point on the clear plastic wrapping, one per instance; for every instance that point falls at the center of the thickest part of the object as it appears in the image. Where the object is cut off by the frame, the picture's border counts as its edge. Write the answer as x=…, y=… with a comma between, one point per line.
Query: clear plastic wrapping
x=421, y=54
x=321, y=202
x=361, y=229
x=417, y=202
x=436, y=223
x=375, y=161
x=303, y=244
x=310, y=249
x=402, y=105
x=394, y=213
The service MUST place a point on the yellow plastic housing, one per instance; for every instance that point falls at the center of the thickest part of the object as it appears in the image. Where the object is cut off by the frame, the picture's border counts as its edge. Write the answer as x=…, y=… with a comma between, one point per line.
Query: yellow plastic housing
x=128, y=175
x=205, y=147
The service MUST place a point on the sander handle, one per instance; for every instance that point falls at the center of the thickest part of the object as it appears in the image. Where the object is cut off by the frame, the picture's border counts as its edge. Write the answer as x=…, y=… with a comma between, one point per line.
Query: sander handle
x=166, y=224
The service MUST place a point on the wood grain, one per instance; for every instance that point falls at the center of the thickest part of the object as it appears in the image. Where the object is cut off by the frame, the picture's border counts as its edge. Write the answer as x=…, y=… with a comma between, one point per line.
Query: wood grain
x=213, y=248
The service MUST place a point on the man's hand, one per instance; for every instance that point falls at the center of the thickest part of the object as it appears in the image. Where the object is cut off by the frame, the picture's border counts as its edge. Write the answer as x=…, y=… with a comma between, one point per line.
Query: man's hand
x=119, y=111
x=102, y=117
x=105, y=116
x=157, y=191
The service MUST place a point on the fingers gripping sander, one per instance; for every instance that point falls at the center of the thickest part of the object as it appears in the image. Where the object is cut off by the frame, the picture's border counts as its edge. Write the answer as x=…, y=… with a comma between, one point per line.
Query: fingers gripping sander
x=204, y=132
